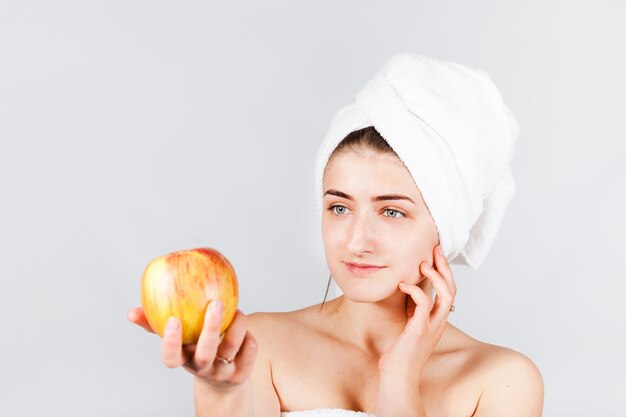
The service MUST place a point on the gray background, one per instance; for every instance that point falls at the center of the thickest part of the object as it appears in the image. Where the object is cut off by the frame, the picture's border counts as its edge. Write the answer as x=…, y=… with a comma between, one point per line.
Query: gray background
x=129, y=129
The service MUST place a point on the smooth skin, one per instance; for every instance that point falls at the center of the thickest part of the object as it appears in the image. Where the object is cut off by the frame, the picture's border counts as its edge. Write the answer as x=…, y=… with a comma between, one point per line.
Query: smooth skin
x=391, y=341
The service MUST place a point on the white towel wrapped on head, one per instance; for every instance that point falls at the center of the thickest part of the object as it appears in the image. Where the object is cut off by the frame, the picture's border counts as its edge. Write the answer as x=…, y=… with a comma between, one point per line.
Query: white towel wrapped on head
x=449, y=126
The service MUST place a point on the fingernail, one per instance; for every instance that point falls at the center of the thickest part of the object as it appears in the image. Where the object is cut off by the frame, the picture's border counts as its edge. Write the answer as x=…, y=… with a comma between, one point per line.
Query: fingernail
x=425, y=265
x=402, y=284
x=172, y=323
x=439, y=250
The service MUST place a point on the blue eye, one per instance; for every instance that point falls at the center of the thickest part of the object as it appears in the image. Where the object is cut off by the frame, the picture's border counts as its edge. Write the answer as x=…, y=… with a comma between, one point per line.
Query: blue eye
x=395, y=211
x=332, y=208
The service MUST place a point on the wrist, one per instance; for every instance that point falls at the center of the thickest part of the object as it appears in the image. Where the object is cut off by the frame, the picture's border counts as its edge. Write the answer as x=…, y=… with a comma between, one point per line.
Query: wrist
x=211, y=401
x=207, y=388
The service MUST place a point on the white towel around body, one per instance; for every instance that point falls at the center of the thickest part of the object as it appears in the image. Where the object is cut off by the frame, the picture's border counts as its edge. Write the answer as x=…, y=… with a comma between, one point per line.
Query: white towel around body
x=326, y=412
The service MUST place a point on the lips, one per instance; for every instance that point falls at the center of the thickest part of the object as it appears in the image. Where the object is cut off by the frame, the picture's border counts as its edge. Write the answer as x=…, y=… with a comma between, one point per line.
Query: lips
x=363, y=265
x=362, y=269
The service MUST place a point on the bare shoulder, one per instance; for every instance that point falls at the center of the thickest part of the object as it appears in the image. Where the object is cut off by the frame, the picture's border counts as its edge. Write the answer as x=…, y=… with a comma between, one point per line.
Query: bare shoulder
x=258, y=320
x=268, y=324
x=260, y=324
x=277, y=330
x=513, y=385
x=502, y=361
x=270, y=328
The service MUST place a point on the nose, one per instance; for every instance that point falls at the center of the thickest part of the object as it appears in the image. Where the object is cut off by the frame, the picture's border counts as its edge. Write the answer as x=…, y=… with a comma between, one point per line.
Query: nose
x=361, y=235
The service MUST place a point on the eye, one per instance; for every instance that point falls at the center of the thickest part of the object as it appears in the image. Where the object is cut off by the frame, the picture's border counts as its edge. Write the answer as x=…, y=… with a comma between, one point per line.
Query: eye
x=338, y=206
x=395, y=211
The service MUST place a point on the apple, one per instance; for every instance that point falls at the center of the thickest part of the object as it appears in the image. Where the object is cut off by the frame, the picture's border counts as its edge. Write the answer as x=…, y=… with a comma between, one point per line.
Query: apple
x=181, y=284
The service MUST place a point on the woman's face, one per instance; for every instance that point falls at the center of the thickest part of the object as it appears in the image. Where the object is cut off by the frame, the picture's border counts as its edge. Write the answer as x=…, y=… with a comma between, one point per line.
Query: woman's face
x=357, y=227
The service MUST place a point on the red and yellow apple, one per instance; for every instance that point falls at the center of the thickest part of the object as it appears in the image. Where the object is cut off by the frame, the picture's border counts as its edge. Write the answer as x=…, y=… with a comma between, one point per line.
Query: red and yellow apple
x=181, y=284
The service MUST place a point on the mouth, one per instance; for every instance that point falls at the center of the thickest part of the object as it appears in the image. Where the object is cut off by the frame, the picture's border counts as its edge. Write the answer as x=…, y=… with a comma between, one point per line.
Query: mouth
x=362, y=269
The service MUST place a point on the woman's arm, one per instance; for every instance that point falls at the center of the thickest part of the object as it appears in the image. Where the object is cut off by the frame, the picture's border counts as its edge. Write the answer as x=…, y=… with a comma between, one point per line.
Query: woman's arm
x=266, y=400
x=515, y=388
x=236, y=401
x=396, y=397
x=400, y=367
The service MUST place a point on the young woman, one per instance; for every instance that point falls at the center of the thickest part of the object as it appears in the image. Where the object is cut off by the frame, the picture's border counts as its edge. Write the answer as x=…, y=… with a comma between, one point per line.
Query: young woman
x=411, y=175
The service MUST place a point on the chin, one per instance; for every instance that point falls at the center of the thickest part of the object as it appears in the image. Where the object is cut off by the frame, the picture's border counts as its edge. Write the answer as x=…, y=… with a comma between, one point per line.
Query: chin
x=367, y=292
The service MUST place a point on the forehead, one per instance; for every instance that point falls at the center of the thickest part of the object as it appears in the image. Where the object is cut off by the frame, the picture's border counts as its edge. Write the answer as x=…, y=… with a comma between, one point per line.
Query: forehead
x=366, y=173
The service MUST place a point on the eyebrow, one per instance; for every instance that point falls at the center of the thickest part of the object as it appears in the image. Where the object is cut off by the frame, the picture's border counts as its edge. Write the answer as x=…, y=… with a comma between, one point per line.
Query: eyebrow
x=376, y=198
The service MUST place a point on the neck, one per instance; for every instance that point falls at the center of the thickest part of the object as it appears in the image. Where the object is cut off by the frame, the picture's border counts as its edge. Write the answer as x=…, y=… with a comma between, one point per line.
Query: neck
x=372, y=327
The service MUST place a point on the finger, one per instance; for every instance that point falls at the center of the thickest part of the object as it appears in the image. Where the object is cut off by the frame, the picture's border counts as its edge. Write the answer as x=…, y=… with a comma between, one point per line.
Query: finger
x=245, y=358
x=410, y=306
x=172, y=349
x=443, y=299
x=209, y=339
x=422, y=301
x=234, y=336
x=442, y=265
x=137, y=316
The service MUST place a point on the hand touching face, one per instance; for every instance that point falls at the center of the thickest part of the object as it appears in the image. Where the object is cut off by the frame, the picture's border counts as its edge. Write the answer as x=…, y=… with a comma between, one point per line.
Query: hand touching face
x=426, y=324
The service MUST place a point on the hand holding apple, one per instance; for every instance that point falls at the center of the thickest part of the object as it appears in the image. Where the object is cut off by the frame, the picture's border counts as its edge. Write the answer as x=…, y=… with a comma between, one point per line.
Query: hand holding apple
x=176, y=289
x=201, y=359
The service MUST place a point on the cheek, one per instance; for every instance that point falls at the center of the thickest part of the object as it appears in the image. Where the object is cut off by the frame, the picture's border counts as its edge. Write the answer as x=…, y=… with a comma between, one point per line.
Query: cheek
x=414, y=252
x=332, y=236
x=407, y=270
